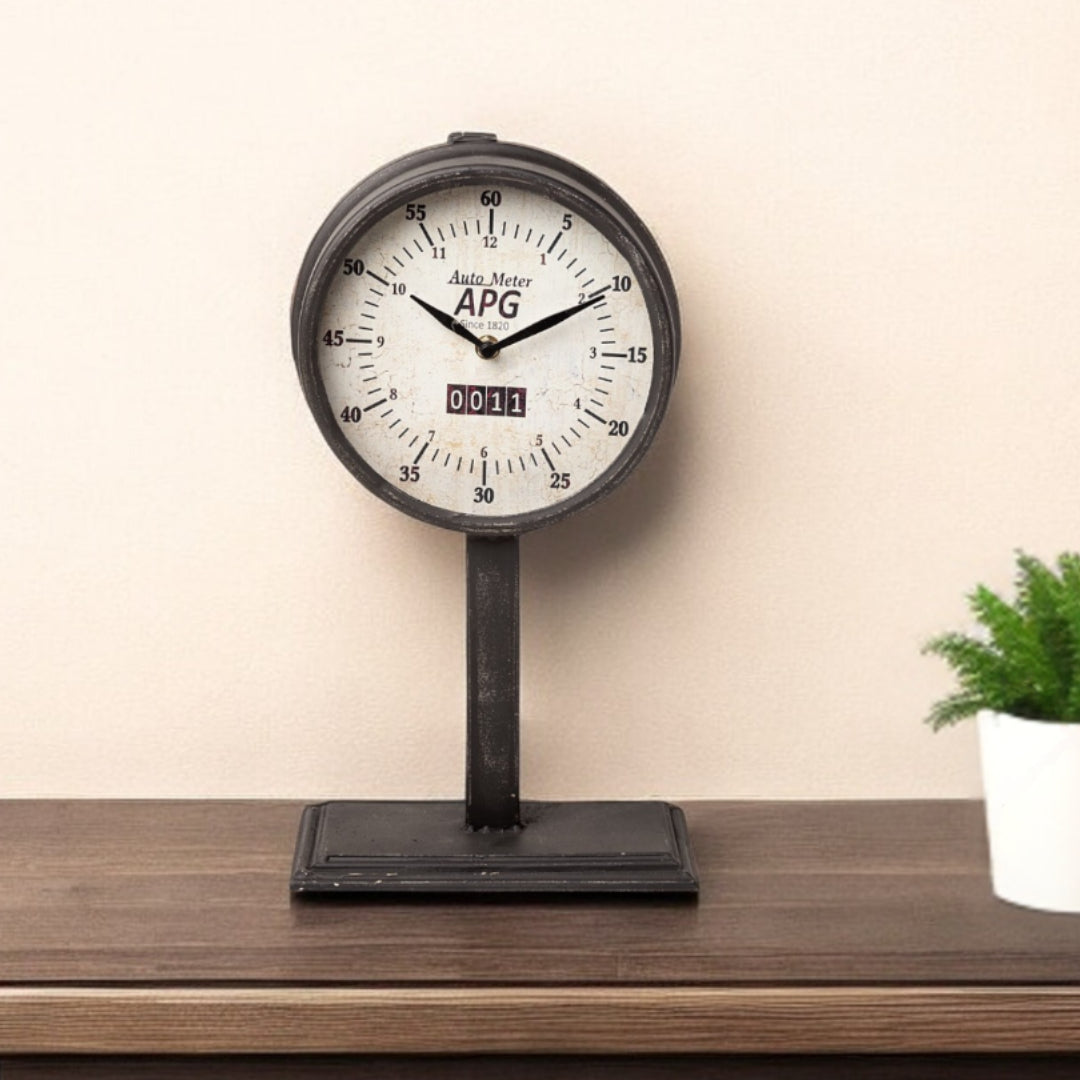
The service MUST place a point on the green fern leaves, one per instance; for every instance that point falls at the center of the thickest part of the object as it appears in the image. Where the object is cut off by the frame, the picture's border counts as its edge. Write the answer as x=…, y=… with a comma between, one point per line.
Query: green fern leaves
x=1027, y=661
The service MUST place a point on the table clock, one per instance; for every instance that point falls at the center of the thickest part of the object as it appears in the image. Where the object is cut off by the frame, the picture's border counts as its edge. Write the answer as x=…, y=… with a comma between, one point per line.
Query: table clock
x=487, y=336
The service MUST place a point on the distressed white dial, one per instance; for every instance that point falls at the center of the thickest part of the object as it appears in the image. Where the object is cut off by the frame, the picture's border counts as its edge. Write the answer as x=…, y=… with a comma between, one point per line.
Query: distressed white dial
x=486, y=350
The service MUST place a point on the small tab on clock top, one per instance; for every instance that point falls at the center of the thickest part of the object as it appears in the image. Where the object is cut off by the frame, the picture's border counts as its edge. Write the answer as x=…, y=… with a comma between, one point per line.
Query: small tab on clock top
x=471, y=136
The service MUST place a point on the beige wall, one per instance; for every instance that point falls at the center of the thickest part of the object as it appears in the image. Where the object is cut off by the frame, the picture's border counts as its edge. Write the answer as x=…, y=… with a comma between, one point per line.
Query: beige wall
x=872, y=211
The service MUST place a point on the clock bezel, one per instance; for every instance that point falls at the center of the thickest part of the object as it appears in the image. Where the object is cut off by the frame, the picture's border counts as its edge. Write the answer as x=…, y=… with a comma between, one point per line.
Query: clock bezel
x=471, y=160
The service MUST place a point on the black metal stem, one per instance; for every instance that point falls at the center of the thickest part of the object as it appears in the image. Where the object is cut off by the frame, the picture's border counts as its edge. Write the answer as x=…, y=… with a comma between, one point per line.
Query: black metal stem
x=492, y=800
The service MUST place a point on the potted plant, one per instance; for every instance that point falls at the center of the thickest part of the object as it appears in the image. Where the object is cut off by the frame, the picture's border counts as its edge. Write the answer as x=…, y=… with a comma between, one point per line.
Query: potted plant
x=1020, y=675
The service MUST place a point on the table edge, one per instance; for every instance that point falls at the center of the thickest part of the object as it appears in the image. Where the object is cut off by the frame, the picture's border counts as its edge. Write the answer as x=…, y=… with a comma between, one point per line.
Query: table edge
x=515, y=1019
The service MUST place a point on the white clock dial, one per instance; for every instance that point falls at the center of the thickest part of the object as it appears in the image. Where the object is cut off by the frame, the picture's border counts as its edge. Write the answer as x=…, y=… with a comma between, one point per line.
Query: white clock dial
x=447, y=369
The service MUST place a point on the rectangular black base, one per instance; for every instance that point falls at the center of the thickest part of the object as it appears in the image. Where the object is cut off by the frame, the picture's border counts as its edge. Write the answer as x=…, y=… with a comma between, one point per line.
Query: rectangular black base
x=426, y=847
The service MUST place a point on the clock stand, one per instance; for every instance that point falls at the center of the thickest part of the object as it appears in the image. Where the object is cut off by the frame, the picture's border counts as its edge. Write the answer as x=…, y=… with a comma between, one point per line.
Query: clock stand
x=494, y=842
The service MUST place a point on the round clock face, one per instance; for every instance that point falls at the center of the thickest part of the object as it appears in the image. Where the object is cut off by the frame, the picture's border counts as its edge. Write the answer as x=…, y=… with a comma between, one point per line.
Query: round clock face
x=483, y=352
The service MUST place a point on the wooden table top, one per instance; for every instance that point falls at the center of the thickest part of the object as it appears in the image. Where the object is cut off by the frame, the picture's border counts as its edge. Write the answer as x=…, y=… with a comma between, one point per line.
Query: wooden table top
x=816, y=921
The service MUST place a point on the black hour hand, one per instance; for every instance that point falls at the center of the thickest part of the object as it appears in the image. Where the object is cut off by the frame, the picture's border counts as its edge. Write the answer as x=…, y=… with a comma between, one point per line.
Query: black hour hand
x=448, y=321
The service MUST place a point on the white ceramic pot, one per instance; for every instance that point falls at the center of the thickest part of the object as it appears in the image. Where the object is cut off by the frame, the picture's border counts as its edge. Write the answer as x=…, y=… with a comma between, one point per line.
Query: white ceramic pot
x=1031, y=780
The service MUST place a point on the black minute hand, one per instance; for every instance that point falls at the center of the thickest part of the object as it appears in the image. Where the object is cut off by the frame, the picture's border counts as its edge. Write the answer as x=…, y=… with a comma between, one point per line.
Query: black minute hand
x=537, y=327
x=448, y=321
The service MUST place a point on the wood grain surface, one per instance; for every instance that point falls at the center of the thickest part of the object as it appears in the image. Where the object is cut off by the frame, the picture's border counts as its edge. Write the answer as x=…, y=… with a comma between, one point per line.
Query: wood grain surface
x=130, y=927
x=829, y=893
x=558, y=1020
